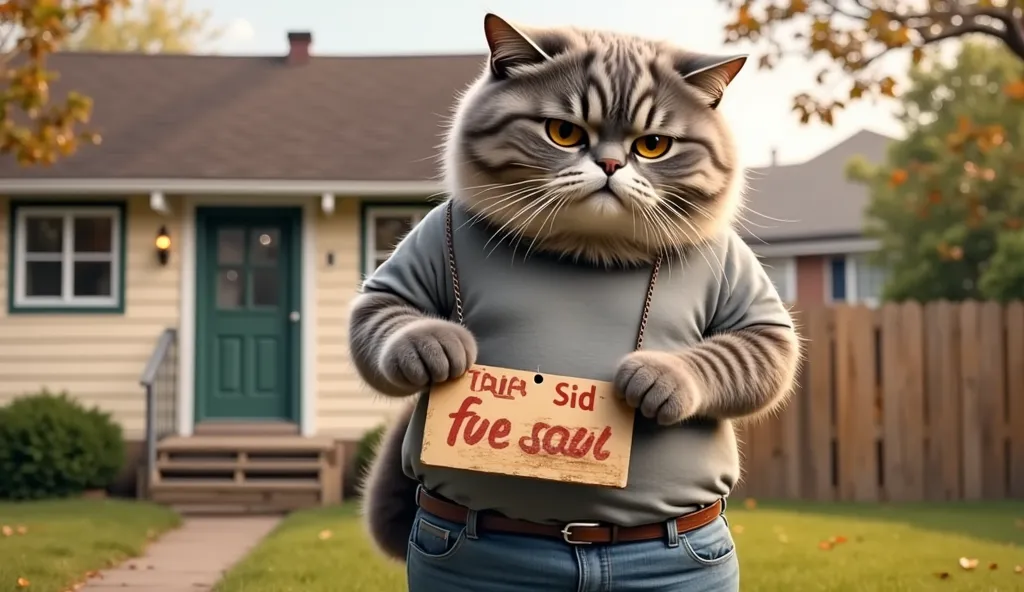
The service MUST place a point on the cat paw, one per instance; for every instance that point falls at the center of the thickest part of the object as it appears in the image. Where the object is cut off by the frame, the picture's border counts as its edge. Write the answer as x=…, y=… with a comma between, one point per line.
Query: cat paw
x=659, y=385
x=425, y=352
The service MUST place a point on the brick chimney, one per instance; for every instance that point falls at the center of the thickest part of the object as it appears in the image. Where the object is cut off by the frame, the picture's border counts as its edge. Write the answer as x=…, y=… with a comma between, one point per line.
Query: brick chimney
x=298, y=47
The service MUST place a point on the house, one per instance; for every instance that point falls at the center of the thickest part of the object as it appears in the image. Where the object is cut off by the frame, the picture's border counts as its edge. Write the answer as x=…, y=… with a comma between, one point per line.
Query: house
x=806, y=221
x=212, y=243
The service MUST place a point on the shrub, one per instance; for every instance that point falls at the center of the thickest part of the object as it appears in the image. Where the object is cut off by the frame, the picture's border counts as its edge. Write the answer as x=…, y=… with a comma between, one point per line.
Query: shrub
x=53, y=446
x=365, y=453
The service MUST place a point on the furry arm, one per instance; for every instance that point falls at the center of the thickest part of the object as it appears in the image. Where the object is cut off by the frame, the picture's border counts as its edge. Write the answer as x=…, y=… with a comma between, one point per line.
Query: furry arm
x=399, y=351
x=729, y=375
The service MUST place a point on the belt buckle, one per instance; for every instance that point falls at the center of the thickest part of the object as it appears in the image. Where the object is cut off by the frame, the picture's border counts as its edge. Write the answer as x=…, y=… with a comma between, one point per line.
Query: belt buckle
x=567, y=532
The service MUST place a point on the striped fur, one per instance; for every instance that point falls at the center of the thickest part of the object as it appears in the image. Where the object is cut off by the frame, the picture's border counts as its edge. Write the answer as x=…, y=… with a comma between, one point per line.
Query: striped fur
x=399, y=351
x=732, y=375
x=500, y=162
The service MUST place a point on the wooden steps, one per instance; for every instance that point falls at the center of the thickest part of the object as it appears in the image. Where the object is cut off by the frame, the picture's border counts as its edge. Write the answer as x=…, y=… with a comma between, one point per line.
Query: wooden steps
x=250, y=474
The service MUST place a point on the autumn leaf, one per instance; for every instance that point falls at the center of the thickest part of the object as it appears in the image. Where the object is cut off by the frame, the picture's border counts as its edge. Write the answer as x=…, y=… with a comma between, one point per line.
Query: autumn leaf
x=750, y=503
x=825, y=546
x=23, y=583
x=942, y=575
x=887, y=86
x=737, y=529
x=993, y=566
x=1018, y=569
x=1014, y=90
x=898, y=177
x=968, y=564
x=6, y=530
x=324, y=535
x=21, y=530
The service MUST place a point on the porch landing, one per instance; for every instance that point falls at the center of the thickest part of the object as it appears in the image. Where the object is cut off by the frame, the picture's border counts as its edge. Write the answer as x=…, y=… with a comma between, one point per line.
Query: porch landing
x=246, y=474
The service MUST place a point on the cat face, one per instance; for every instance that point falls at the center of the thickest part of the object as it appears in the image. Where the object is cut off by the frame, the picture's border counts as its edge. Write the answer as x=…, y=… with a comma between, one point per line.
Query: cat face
x=594, y=144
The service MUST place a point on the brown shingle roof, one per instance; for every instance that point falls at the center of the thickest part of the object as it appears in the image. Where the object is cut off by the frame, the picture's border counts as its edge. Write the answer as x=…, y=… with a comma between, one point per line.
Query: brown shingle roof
x=214, y=117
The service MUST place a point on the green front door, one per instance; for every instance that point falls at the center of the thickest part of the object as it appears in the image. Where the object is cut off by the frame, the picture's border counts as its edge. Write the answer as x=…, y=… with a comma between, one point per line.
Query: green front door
x=247, y=313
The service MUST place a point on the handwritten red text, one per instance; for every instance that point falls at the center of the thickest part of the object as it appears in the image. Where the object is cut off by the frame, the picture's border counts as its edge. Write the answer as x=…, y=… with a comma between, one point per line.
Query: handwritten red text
x=501, y=387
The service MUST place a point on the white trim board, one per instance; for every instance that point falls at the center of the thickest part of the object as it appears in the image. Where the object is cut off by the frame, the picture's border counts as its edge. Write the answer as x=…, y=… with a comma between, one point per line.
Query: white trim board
x=246, y=187
x=813, y=247
x=187, y=328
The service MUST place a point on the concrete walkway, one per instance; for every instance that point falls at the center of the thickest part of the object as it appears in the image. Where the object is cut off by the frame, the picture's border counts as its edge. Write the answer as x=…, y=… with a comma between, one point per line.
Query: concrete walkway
x=190, y=559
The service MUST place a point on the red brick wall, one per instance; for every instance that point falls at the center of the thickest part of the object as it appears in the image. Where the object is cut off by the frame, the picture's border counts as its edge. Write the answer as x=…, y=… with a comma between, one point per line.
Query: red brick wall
x=810, y=279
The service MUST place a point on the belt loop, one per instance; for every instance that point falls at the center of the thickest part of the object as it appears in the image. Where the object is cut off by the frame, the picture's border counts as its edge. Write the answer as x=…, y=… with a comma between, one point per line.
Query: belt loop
x=725, y=503
x=471, y=519
x=672, y=528
x=419, y=492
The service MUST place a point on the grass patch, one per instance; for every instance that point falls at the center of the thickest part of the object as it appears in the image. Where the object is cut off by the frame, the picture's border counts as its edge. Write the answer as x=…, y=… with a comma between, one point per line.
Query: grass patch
x=53, y=544
x=895, y=548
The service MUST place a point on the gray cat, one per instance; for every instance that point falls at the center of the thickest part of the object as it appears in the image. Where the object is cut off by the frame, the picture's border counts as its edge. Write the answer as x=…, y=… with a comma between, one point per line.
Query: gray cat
x=605, y=150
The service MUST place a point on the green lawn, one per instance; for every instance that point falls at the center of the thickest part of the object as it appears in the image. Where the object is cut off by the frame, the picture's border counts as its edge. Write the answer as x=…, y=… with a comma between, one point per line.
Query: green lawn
x=886, y=548
x=48, y=546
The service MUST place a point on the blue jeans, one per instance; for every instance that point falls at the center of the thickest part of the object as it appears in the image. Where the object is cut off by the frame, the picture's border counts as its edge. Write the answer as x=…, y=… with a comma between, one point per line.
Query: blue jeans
x=449, y=557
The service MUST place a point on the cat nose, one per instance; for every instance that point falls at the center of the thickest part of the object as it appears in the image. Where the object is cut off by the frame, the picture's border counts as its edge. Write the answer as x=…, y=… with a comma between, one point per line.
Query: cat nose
x=610, y=165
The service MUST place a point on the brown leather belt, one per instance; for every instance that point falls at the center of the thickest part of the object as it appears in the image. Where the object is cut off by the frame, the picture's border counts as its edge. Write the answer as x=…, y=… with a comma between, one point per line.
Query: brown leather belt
x=574, y=533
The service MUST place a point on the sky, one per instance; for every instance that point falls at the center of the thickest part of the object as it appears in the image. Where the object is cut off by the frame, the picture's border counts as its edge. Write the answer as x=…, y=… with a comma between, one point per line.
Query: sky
x=758, y=102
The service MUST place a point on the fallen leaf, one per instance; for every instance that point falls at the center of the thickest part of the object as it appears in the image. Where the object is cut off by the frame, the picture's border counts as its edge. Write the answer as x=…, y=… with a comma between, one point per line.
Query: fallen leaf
x=942, y=575
x=132, y=566
x=750, y=503
x=840, y=539
x=6, y=530
x=1014, y=90
x=325, y=534
x=993, y=565
x=21, y=530
x=898, y=177
x=825, y=546
x=737, y=528
x=1018, y=569
x=783, y=538
x=23, y=583
x=968, y=564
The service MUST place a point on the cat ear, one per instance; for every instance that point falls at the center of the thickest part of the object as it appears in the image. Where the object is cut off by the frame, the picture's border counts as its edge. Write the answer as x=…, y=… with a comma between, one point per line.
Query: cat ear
x=710, y=74
x=509, y=46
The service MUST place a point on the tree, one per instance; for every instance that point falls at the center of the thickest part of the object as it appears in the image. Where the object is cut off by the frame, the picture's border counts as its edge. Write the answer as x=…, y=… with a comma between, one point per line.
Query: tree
x=851, y=35
x=149, y=26
x=947, y=206
x=34, y=127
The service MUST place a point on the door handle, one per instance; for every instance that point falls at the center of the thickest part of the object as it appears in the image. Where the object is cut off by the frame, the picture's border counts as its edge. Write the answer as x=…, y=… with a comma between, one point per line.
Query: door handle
x=294, y=316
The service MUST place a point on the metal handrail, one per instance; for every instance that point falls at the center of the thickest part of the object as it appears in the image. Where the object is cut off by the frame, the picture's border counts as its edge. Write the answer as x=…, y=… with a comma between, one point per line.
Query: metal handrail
x=148, y=380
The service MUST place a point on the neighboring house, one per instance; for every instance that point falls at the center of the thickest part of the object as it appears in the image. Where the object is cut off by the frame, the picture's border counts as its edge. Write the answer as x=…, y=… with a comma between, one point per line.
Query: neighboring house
x=272, y=185
x=807, y=221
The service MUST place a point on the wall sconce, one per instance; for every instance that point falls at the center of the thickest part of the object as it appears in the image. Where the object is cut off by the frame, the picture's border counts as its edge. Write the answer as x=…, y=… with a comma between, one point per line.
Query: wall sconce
x=163, y=245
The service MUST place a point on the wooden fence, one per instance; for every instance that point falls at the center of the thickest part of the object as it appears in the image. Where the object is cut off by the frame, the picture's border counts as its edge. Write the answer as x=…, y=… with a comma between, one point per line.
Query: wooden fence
x=906, y=402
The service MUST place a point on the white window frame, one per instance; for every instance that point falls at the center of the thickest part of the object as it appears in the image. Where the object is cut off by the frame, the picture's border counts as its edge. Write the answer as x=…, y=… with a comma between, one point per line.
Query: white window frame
x=67, y=257
x=788, y=267
x=370, y=250
x=852, y=262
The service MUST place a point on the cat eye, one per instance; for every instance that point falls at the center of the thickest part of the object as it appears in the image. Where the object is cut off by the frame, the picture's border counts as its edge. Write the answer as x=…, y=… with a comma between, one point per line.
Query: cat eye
x=652, y=146
x=564, y=133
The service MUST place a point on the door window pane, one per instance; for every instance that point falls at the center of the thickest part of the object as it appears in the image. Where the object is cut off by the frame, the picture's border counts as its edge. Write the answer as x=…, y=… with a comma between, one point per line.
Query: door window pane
x=231, y=246
x=44, y=234
x=266, y=289
x=264, y=246
x=93, y=234
x=389, y=230
x=230, y=289
x=93, y=278
x=43, y=278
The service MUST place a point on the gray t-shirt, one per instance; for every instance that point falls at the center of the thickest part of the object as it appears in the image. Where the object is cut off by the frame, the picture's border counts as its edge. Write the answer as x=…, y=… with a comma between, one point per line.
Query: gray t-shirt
x=543, y=314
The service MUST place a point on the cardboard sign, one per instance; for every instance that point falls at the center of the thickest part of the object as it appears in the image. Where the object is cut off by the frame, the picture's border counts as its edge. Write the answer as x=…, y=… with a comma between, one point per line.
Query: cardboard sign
x=512, y=422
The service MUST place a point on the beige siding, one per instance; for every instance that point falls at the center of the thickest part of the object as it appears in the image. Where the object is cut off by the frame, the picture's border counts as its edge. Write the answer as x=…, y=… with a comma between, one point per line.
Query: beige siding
x=95, y=357
x=346, y=408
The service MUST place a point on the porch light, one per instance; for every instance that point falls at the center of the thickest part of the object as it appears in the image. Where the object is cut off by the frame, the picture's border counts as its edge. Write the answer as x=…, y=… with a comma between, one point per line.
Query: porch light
x=163, y=245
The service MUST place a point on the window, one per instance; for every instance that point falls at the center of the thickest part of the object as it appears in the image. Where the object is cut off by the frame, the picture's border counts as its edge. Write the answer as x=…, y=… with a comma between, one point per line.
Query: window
x=67, y=257
x=855, y=279
x=385, y=226
x=782, y=272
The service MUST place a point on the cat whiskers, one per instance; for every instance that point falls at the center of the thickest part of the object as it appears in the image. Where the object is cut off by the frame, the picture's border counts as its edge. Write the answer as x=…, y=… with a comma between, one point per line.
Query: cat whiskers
x=698, y=240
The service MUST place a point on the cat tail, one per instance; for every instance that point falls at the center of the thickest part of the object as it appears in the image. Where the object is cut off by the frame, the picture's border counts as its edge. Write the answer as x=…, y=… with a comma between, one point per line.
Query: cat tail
x=389, y=495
